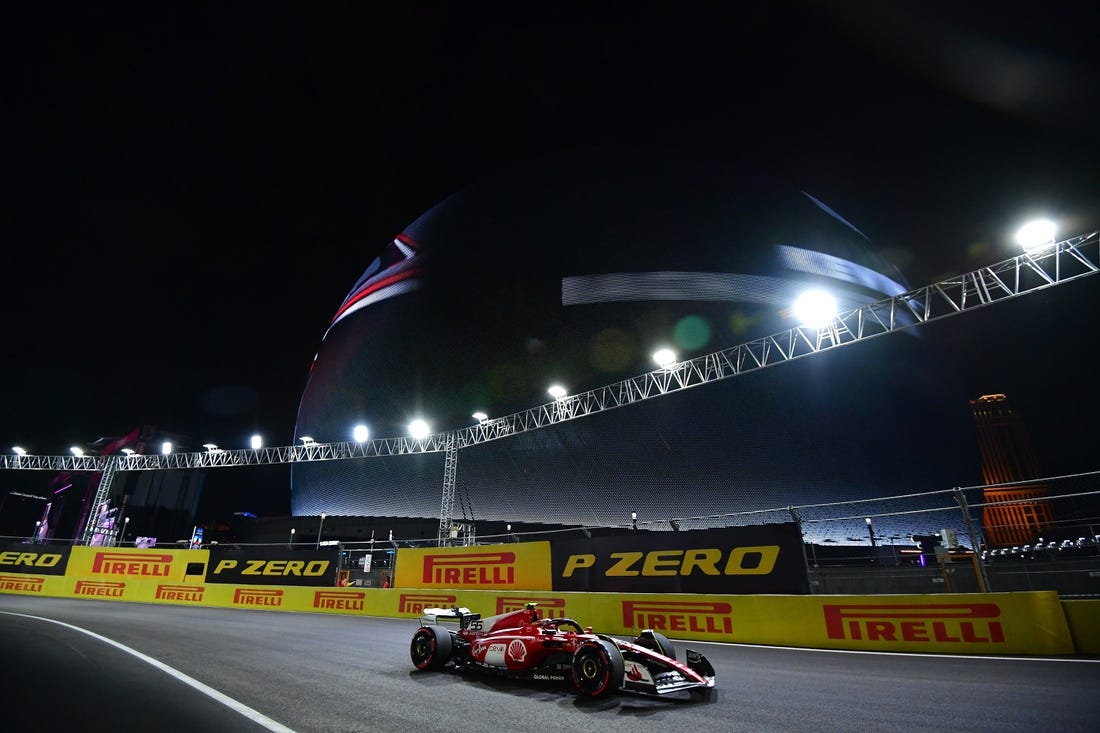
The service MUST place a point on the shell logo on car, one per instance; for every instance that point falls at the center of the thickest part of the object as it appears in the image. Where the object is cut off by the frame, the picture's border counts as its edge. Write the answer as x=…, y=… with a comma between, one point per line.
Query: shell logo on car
x=517, y=650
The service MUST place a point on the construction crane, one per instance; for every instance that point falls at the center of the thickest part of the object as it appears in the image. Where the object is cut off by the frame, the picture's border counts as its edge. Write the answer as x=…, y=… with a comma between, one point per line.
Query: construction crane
x=1034, y=270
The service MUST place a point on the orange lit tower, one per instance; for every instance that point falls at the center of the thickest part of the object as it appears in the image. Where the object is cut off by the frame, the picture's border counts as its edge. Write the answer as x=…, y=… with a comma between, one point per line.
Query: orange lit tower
x=1008, y=458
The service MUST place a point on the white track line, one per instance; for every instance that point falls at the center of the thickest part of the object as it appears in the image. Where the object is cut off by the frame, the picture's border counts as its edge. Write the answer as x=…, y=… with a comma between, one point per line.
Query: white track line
x=235, y=705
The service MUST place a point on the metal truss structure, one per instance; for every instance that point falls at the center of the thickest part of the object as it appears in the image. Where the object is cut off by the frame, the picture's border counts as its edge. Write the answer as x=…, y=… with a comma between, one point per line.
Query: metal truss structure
x=1035, y=270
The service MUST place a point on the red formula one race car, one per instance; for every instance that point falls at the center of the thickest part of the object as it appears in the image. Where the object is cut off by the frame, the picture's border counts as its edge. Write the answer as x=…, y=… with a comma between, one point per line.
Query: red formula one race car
x=520, y=645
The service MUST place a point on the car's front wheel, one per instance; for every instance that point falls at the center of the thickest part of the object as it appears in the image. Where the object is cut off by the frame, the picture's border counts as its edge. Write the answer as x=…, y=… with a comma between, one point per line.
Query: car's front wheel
x=430, y=648
x=597, y=668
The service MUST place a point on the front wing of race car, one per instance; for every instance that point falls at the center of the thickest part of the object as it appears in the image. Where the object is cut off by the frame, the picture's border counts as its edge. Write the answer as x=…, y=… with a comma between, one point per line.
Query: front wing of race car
x=652, y=673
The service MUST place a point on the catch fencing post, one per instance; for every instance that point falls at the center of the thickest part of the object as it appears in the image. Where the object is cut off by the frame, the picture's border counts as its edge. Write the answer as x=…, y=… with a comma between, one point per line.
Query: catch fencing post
x=805, y=560
x=983, y=578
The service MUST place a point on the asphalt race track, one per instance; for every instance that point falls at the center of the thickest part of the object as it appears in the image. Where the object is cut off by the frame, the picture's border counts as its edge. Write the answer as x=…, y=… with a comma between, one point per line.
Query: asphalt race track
x=212, y=670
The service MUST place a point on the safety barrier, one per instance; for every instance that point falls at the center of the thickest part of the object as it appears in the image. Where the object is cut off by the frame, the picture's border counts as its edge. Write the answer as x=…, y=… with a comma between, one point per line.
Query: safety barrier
x=1031, y=623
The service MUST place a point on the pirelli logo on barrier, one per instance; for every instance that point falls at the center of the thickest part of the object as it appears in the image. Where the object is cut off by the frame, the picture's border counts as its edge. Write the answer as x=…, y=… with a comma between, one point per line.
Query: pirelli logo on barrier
x=550, y=607
x=522, y=567
x=335, y=600
x=142, y=564
x=417, y=602
x=99, y=588
x=21, y=583
x=180, y=593
x=35, y=562
x=704, y=617
x=933, y=623
x=258, y=597
x=473, y=568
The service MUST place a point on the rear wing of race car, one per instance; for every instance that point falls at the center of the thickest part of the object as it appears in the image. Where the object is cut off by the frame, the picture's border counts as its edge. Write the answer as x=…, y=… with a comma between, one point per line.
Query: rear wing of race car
x=459, y=616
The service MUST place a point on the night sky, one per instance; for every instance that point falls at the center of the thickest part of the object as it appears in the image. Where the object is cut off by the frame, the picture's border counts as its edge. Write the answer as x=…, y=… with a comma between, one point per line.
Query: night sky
x=193, y=190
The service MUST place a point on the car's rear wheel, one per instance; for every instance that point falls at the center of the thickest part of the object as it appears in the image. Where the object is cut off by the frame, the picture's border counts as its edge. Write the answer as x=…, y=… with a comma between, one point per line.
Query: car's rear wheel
x=430, y=648
x=656, y=641
x=597, y=668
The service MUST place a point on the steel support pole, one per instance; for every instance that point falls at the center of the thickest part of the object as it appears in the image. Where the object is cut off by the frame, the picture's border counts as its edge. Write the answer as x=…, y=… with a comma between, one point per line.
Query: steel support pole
x=975, y=547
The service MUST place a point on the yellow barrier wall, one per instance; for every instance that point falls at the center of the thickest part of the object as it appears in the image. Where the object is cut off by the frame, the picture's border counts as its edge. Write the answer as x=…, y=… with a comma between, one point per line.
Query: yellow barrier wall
x=991, y=623
x=1083, y=618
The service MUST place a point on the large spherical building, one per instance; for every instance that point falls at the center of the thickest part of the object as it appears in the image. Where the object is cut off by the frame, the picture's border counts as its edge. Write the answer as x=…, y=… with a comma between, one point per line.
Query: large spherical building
x=574, y=271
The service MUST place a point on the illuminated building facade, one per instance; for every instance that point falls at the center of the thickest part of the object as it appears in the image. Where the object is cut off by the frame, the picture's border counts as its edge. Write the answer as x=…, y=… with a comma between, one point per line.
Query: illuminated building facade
x=1021, y=511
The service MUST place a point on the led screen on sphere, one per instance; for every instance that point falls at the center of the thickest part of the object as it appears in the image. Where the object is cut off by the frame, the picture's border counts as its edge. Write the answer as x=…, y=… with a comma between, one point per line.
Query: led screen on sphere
x=576, y=271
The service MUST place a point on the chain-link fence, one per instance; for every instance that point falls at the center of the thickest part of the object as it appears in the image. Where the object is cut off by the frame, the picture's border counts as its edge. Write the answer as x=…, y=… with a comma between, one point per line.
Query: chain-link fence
x=1036, y=518
x=1041, y=534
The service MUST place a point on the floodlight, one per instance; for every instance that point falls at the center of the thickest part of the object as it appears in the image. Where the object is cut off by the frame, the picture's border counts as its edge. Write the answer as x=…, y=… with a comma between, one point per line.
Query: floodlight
x=419, y=429
x=815, y=308
x=664, y=358
x=1036, y=234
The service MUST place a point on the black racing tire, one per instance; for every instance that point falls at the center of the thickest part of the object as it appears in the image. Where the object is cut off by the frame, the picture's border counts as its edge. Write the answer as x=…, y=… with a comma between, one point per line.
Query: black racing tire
x=658, y=642
x=598, y=668
x=431, y=648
